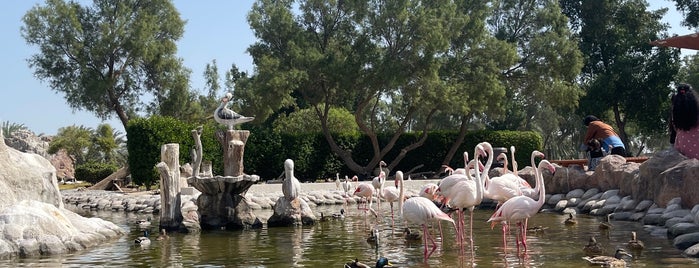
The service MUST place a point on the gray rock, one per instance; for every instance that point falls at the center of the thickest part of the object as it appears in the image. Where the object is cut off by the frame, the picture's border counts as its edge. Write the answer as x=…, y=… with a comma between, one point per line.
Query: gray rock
x=590, y=193
x=553, y=200
x=674, y=221
x=622, y=216
x=627, y=203
x=652, y=219
x=681, y=228
x=609, y=193
x=692, y=252
x=685, y=241
x=561, y=205
x=577, y=193
x=644, y=205
x=637, y=216
x=574, y=202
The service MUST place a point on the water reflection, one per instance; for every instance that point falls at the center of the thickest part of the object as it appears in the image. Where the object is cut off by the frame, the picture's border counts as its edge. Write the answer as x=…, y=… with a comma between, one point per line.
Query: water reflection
x=334, y=242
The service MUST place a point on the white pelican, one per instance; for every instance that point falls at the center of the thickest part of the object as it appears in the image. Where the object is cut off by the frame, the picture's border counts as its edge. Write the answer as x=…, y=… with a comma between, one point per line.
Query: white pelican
x=227, y=116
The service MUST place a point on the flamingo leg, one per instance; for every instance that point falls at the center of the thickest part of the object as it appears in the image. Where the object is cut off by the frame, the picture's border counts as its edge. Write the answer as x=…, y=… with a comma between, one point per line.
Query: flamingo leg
x=504, y=236
x=425, y=234
x=392, y=221
x=434, y=244
x=470, y=232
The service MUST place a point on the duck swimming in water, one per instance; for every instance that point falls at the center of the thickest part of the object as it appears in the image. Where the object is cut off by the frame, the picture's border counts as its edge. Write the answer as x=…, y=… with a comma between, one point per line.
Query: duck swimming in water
x=380, y=263
x=634, y=243
x=143, y=240
x=592, y=248
x=609, y=261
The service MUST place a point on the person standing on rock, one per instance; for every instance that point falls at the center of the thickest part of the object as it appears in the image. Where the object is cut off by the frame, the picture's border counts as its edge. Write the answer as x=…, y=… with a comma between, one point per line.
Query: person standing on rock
x=596, y=129
x=684, y=130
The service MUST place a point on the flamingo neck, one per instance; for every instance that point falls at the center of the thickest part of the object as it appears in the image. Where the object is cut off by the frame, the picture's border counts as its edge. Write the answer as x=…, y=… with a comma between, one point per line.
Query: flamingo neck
x=540, y=181
x=401, y=192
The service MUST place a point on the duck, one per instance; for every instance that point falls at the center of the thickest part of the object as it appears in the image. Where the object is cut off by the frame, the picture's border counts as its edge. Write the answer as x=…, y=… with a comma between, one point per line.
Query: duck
x=634, y=243
x=340, y=215
x=143, y=240
x=163, y=235
x=373, y=237
x=571, y=220
x=380, y=263
x=228, y=117
x=411, y=236
x=323, y=217
x=607, y=224
x=537, y=229
x=592, y=248
x=143, y=223
x=609, y=261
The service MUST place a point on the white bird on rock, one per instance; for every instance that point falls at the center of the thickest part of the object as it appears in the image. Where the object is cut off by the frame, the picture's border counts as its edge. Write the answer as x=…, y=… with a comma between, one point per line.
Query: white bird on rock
x=291, y=186
x=227, y=116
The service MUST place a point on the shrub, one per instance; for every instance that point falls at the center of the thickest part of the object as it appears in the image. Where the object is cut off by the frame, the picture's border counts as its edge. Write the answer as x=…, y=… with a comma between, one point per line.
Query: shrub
x=93, y=172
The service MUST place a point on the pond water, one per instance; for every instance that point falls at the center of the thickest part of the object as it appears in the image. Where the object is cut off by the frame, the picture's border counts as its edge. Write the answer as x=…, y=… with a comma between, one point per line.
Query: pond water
x=335, y=242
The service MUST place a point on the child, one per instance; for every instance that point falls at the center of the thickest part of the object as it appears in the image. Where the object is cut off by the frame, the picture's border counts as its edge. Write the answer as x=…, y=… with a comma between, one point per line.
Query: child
x=596, y=153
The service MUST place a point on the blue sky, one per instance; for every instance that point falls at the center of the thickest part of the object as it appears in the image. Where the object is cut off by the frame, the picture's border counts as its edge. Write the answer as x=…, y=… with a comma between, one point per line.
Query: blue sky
x=215, y=29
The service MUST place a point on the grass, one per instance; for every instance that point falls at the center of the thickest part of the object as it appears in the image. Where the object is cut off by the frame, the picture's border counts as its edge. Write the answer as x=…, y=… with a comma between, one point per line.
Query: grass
x=62, y=186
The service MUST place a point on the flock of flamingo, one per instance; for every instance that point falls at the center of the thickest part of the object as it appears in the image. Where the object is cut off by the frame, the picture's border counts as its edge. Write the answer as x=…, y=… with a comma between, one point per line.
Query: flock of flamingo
x=464, y=188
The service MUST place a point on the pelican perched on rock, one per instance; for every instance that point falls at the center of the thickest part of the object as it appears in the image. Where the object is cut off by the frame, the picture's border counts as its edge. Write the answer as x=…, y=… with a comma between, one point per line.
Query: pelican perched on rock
x=291, y=186
x=609, y=261
x=227, y=116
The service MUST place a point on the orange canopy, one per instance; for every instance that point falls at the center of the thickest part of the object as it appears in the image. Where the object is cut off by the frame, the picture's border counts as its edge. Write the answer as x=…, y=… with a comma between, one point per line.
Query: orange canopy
x=690, y=41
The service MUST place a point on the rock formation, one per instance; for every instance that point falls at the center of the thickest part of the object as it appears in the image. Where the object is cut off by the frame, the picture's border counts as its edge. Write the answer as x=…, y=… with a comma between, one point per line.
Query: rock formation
x=34, y=220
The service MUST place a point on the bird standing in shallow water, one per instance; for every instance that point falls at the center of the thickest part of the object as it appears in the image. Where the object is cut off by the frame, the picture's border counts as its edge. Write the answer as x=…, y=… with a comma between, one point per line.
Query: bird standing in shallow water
x=609, y=261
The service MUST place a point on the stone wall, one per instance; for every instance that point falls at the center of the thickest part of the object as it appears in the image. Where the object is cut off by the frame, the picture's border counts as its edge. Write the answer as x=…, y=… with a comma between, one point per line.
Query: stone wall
x=664, y=176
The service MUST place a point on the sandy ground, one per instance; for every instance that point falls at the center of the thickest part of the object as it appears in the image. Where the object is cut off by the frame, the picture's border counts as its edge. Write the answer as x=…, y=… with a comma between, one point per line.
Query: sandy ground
x=263, y=188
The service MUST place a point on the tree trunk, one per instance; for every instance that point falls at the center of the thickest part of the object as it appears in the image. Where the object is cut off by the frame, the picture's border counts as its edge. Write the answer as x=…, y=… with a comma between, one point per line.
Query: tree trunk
x=169, y=168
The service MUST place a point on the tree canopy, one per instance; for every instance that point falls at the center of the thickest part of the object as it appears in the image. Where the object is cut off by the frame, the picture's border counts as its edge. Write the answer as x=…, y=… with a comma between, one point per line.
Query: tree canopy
x=106, y=56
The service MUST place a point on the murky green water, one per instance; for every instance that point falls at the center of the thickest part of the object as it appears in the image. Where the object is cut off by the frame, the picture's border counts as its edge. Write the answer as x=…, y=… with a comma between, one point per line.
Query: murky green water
x=334, y=242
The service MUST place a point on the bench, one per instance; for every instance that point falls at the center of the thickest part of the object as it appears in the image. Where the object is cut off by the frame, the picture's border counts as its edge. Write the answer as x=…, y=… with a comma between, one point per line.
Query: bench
x=583, y=162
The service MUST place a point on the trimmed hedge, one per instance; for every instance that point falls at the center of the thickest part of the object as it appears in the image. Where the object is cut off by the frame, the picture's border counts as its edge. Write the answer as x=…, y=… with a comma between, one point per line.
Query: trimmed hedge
x=265, y=150
x=93, y=172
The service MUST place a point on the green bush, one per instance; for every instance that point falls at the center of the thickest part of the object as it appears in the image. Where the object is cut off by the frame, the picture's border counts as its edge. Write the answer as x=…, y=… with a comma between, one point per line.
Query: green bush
x=146, y=136
x=266, y=150
x=94, y=172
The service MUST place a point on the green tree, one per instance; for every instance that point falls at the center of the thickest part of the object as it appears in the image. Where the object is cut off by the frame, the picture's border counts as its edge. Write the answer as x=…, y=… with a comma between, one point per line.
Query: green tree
x=108, y=146
x=306, y=121
x=626, y=79
x=8, y=128
x=690, y=8
x=76, y=140
x=353, y=53
x=541, y=89
x=106, y=56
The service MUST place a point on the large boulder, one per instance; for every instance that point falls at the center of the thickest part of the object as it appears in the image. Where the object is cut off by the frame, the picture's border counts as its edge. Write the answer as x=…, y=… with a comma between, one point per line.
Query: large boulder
x=27, y=176
x=33, y=220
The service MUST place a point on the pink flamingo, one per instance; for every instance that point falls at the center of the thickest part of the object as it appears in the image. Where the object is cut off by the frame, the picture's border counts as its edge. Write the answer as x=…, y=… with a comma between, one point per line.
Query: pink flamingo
x=520, y=208
x=499, y=188
x=420, y=210
x=527, y=189
x=378, y=183
x=429, y=191
x=467, y=194
x=392, y=193
x=365, y=191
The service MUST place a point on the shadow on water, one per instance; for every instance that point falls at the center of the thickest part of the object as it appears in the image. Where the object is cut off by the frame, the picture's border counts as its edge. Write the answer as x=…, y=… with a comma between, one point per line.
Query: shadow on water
x=332, y=243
